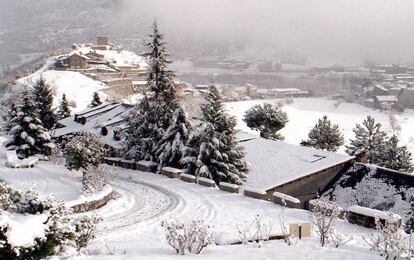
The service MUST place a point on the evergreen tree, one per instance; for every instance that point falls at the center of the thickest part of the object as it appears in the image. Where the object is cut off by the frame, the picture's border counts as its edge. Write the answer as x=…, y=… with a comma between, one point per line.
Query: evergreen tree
x=96, y=100
x=138, y=136
x=266, y=119
x=28, y=134
x=202, y=154
x=170, y=147
x=44, y=101
x=395, y=157
x=369, y=139
x=64, y=110
x=148, y=122
x=214, y=151
x=11, y=113
x=325, y=136
x=160, y=80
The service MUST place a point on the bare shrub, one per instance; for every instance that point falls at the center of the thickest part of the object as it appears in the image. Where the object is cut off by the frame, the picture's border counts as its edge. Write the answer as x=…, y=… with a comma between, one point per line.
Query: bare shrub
x=96, y=178
x=389, y=240
x=323, y=217
x=257, y=231
x=192, y=237
x=338, y=239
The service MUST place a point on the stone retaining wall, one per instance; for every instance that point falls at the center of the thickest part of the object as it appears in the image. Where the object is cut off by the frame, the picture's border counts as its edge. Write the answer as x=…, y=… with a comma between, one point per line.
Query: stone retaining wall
x=93, y=205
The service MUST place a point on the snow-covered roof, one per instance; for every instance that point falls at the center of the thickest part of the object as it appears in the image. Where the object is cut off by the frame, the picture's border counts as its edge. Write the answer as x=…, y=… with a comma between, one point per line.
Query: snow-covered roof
x=387, y=98
x=274, y=163
x=108, y=116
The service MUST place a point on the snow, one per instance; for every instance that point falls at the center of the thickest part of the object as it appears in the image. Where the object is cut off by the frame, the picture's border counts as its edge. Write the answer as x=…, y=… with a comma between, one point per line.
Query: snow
x=373, y=213
x=131, y=224
x=285, y=197
x=304, y=113
x=23, y=228
x=258, y=191
x=228, y=185
x=387, y=98
x=46, y=177
x=91, y=197
x=171, y=170
x=293, y=162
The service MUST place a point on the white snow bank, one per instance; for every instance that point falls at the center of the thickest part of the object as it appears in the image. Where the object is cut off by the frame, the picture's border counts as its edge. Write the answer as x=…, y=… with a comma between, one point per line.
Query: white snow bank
x=23, y=229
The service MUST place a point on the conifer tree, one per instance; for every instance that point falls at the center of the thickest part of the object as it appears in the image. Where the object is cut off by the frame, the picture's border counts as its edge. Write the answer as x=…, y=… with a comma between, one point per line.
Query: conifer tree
x=28, y=135
x=170, y=147
x=213, y=151
x=266, y=119
x=369, y=139
x=43, y=99
x=96, y=100
x=325, y=136
x=64, y=110
x=11, y=113
x=146, y=127
x=395, y=157
x=160, y=79
x=138, y=137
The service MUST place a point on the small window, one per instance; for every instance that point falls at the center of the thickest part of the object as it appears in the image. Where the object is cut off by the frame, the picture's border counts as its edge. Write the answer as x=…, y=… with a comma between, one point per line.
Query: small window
x=317, y=157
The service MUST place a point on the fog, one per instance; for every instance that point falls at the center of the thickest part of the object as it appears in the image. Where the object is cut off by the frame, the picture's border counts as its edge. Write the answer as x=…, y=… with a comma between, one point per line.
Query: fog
x=324, y=31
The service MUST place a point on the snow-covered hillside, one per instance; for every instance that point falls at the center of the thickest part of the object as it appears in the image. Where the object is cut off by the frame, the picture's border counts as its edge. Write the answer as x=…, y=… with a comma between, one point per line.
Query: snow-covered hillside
x=77, y=87
x=304, y=113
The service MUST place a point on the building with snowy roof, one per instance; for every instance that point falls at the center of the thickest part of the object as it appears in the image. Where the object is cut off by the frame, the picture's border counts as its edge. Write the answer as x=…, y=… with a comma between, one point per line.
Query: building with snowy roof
x=301, y=172
x=104, y=120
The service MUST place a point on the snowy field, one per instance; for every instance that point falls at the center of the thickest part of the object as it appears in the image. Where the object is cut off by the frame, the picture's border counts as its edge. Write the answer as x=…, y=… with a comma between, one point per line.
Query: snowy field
x=131, y=223
x=304, y=113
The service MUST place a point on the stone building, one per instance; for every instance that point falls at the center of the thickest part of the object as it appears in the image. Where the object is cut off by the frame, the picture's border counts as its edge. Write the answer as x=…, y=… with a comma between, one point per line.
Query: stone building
x=298, y=171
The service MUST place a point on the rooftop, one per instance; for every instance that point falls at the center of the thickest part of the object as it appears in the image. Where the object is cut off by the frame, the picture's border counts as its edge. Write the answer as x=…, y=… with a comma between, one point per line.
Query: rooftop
x=274, y=163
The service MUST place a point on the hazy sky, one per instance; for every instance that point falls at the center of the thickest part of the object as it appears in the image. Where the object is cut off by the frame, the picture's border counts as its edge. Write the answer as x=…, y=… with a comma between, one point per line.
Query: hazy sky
x=325, y=31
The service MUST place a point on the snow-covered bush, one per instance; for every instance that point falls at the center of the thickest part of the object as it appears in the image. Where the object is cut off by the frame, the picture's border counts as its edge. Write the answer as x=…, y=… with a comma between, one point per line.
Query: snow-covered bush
x=83, y=151
x=192, y=237
x=267, y=119
x=289, y=239
x=323, y=216
x=338, y=239
x=256, y=231
x=49, y=225
x=96, y=178
x=389, y=240
x=85, y=228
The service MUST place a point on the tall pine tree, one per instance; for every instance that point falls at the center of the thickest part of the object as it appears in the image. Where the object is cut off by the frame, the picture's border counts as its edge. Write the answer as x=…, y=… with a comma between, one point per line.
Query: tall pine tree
x=96, y=100
x=213, y=151
x=160, y=79
x=138, y=141
x=28, y=135
x=11, y=113
x=160, y=104
x=170, y=148
x=64, y=109
x=396, y=157
x=325, y=136
x=369, y=140
x=43, y=99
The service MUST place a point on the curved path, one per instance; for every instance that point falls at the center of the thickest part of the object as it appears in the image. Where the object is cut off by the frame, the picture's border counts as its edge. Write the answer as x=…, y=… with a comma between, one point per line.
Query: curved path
x=137, y=202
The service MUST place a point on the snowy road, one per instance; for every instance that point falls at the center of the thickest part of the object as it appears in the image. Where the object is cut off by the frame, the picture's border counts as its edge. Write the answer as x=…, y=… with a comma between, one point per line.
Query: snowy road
x=131, y=223
x=137, y=202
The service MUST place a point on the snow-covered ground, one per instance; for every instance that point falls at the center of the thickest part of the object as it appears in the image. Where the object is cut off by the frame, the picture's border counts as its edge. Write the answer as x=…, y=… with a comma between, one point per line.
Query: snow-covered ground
x=304, y=113
x=131, y=223
x=77, y=87
x=150, y=198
